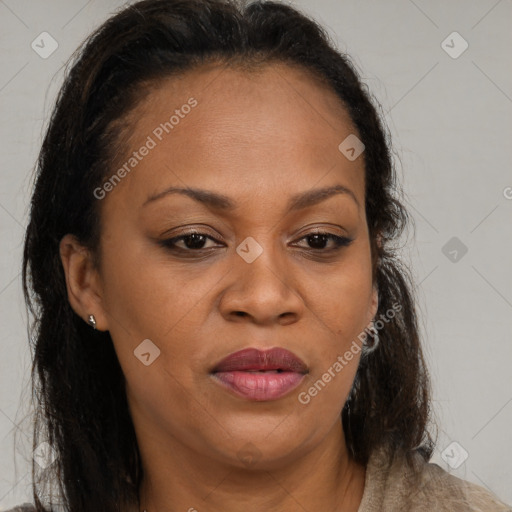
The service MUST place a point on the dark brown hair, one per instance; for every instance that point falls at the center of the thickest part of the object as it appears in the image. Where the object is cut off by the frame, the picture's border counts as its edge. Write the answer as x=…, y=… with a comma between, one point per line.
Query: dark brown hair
x=78, y=384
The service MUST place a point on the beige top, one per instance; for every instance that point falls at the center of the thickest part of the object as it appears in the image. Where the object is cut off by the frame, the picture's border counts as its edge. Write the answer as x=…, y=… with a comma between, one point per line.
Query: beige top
x=391, y=487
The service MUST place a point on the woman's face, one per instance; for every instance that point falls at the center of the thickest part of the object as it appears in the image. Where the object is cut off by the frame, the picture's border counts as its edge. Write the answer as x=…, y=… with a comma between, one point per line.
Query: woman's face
x=253, y=279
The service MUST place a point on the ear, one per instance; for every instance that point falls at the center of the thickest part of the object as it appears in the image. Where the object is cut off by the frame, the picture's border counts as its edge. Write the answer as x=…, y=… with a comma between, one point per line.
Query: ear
x=374, y=306
x=375, y=295
x=82, y=281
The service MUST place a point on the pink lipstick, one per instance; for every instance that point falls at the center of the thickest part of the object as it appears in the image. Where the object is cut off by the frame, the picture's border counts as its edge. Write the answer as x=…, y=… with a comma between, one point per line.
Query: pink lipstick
x=260, y=375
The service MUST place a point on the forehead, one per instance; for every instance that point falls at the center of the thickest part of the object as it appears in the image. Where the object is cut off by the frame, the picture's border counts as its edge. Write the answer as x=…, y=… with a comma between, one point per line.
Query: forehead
x=216, y=126
x=228, y=95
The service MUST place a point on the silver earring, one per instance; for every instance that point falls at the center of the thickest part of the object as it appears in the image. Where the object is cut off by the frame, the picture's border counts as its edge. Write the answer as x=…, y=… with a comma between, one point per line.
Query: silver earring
x=92, y=321
x=368, y=348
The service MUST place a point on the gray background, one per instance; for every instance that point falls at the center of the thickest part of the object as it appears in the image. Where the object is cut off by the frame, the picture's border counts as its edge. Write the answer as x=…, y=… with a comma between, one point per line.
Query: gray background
x=450, y=120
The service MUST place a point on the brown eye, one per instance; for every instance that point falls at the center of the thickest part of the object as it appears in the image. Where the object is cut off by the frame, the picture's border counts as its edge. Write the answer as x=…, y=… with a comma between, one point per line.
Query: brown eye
x=193, y=241
x=318, y=240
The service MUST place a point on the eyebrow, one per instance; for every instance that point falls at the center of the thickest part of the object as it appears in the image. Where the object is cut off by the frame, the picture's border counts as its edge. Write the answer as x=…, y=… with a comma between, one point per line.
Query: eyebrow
x=218, y=201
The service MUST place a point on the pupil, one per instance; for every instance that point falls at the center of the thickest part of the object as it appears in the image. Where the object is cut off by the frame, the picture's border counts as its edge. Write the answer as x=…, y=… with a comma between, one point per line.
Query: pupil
x=197, y=241
x=318, y=239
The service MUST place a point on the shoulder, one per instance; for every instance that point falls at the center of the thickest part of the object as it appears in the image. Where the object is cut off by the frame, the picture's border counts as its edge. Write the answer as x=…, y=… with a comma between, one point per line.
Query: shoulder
x=26, y=507
x=393, y=485
x=445, y=491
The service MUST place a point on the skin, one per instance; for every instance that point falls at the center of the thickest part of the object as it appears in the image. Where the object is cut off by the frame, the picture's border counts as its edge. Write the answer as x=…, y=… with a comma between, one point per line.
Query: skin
x=259, y=138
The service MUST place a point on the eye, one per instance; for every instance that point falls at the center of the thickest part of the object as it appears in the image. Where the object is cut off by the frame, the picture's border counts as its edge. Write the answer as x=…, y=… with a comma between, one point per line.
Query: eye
x=318, y=239
x=193, y=241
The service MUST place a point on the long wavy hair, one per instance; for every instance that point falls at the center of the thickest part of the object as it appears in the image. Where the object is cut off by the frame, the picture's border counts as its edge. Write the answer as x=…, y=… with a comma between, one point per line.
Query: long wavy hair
x=78, y=386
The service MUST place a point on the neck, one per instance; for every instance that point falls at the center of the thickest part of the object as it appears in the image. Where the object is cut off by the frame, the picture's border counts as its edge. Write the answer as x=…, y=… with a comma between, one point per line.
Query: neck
x=325, y=478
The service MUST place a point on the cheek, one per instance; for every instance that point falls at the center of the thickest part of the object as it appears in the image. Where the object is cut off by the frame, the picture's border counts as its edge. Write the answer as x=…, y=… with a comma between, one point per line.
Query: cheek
x=327, y=388
x=342, y=298
x=142, y=289
x=340, y=305
x=148, y=298
x=162, y=398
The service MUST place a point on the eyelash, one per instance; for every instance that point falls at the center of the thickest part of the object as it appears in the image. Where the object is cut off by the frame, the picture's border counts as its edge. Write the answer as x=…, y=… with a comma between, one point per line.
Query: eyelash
x=340, y=241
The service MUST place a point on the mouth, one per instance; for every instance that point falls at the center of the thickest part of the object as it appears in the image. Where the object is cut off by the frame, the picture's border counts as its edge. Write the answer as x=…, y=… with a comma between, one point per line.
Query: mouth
x=260, y=375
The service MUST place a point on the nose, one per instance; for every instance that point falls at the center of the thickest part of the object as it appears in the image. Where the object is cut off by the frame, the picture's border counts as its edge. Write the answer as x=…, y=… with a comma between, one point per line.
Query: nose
x=264, y=292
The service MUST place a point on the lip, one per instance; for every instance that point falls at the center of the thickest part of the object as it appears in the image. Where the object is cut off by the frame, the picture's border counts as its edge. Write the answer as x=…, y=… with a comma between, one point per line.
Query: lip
x=254, y=359
x=260, y=375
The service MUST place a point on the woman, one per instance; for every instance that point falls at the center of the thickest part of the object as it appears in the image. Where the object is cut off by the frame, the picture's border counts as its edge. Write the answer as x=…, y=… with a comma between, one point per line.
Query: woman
x=221, y=322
